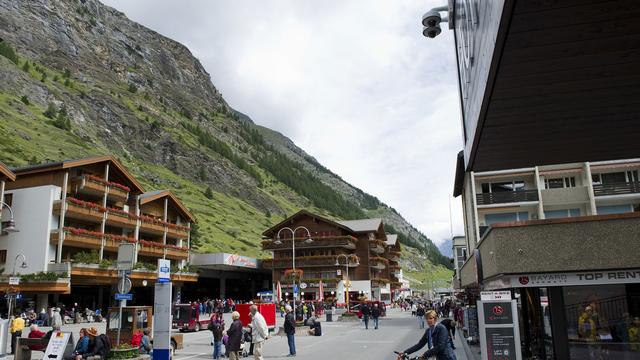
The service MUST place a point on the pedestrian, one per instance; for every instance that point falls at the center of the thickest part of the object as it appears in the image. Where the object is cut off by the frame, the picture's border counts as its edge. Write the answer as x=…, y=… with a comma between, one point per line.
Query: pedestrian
x=420, y=316
x=375, y=315
x=366, y=312
x=290, y=330
x=99, y=345
x=216, y=328
x=234, y=334
x=436, y=335
x=82, y=346
x=450, y=325
x=145, y=343
x=17, y=325
x=260, y=332
x=56, y=319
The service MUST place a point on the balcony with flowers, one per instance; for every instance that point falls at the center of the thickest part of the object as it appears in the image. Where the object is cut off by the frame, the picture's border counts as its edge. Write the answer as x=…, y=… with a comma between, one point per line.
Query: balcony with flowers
x=81, y=210
x=177, y=231
x=95, y=185
x=121, y=218
x=319, y=241
x=301, y=261
x=151, y=248
x=376, y=246
x=152, y=225
x=378, y=262
x=177, y=252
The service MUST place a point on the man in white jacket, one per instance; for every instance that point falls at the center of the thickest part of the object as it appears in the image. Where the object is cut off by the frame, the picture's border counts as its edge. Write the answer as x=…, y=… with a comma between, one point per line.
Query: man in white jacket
x=259, y=332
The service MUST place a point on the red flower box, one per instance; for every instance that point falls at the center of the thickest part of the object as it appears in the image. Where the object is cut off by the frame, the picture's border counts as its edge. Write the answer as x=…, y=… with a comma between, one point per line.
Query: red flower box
x=99, y=180
x=85, y=204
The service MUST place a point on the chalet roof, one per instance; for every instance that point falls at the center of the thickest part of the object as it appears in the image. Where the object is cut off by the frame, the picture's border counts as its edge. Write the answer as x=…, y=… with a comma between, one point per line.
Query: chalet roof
x=269, y=232
x=67, y=164
x=392, y=239
x=159, y=194
x=5, y=173
x=363, y=225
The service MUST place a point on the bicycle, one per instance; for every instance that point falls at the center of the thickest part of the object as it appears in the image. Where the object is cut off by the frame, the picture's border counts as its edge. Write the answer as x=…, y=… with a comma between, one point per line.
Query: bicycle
x=407, y=357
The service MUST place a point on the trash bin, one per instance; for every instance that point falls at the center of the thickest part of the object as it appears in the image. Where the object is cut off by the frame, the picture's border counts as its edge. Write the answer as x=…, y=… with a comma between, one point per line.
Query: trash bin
x=329, y=315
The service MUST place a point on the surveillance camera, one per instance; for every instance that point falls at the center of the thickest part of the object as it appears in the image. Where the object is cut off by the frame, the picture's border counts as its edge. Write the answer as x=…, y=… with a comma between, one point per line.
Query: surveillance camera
x=431, y=19
x=431, y=31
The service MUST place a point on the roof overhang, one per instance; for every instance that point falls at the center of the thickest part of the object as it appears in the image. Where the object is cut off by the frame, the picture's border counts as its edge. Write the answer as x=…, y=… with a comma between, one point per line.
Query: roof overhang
x=291, y=220
x=6, y=173
x=150, y=197
x=548, y=82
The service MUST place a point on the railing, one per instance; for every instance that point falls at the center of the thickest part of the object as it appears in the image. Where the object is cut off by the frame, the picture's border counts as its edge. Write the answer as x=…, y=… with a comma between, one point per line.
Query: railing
x=348, y=242
x=301, y=261
x=617, y=188
x=507, y=197
x=378, y=262
x=376, y=245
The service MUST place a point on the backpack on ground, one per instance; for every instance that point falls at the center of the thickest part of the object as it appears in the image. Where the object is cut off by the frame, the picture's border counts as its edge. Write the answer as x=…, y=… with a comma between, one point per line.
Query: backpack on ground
x=106, y=342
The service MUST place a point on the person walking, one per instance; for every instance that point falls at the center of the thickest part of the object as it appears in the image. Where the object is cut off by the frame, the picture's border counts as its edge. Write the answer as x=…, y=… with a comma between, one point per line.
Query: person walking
x=17, y=325
x=235, y=337
x=260, y=332
x=56, y=319
x=435, y=335
x=290, y=330
x=366, y=312
x=216, y=328
x=420, y=316
x=450, y=325
x=375, y=315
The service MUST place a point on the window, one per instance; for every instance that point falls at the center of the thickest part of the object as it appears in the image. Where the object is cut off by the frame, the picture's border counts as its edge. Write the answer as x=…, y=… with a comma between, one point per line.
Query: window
x=506, y=217
x=461, y=254
x=555, y=214
x=492, y=187
x=558, y=183
x=614, y=209
x=615, y=177
x=3, y=256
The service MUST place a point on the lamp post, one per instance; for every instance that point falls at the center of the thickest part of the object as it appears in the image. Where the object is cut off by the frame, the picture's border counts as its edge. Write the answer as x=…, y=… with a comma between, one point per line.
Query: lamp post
x=24, y=266
x=10, y=225
x=346, y=265
x=293, y=252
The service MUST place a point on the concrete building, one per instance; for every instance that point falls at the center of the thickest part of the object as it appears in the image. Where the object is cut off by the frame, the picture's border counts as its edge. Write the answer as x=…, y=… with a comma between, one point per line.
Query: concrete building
x=460, y=253
x=548, y=174
x=373, y=276
x=73, y=216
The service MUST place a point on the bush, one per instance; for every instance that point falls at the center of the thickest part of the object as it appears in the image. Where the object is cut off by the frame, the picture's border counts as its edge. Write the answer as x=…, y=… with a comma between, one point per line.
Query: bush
x=208, y=193
x=7, y=51
x=44, y=77
x=26, y=66
x=132, y=88
x=62, y=121
x=91, y=257
x=51, y=111
x=25, y=99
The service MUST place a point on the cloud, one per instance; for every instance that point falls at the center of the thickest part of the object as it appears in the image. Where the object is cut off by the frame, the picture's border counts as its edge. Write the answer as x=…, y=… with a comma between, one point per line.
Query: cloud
x=354, y=83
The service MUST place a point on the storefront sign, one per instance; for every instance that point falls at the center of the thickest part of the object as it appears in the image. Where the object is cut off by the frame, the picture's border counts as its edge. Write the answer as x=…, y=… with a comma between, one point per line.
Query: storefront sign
x=577, y=278
x=239, y=260
x=495, y=295
x=499, y=330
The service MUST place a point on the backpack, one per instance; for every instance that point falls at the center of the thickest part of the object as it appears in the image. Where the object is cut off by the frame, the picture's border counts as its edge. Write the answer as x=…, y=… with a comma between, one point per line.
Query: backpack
x=106, y=342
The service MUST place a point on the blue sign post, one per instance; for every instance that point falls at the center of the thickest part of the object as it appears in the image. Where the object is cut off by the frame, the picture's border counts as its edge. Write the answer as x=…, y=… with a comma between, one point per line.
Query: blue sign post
x=124, y=296
x=164, y=270
x=162, y=313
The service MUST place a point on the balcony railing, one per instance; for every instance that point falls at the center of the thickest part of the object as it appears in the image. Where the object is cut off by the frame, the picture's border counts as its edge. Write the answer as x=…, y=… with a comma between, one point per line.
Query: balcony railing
x=507, y=197
x=378, y=262
x=175, y=252
x=376, y=246
x=302, y=261
x=347, y=242
x=617, y=188
x=152, y=248
x=177, y=231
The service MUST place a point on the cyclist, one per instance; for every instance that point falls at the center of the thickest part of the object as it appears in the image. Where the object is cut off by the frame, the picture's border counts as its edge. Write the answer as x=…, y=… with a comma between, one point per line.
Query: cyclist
x=437, y=337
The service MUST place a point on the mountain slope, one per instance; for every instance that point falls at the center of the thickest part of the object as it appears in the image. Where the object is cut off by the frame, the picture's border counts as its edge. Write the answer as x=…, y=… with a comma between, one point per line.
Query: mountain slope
x=87, y=80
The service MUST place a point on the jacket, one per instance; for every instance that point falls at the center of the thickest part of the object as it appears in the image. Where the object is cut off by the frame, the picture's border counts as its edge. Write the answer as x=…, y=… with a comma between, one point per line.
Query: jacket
x=440, y=340
x=235, y=336
x=82, y=346
x=216, y=330
x=145, y=345
x=96, y=348
x=375, y=312
x=259, y=328
x=365, y=310
x=289, y=324
x=17, y=325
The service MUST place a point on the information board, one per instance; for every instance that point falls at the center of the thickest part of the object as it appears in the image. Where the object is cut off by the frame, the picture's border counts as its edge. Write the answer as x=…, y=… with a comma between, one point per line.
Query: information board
x=499, y=330
x=472, y=322
x=57, y=345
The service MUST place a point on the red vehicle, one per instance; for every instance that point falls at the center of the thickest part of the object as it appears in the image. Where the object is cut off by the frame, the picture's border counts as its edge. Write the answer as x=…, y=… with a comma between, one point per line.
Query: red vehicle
x=267, y=310
x=187, y=317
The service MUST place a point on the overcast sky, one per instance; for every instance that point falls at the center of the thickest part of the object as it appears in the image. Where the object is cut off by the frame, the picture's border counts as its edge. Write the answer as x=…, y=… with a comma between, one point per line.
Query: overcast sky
x=353, y=83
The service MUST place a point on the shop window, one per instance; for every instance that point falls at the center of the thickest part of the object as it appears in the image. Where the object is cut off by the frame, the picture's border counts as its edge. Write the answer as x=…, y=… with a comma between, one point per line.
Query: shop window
x=602, y=321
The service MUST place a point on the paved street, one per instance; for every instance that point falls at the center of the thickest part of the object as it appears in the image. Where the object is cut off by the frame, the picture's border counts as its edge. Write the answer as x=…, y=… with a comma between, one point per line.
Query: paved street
x=339, y=340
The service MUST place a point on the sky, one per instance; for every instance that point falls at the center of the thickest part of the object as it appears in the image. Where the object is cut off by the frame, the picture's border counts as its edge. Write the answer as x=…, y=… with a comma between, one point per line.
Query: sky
x=353, y=83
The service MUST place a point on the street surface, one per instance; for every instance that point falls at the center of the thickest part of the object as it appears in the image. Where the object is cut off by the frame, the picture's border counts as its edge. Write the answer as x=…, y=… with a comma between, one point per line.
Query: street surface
x=339, y=340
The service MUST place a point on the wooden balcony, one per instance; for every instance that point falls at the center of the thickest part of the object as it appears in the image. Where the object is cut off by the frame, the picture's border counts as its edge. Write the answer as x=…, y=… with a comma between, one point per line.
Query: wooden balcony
x=378, y=262
x=118, y=194
x=60, y=286
x=376, y=246
x=346, y=242
x=79, y=212
x=395, y=284
x=178, y=254
x=395, y=255
x=151, y=249
x=150, y=226
x=93, y=274
x=378, y=282
x=122, y=219
x=507, y=197
x=85, y=185
x=301, y=262
x=178, y=232
x=85, y=241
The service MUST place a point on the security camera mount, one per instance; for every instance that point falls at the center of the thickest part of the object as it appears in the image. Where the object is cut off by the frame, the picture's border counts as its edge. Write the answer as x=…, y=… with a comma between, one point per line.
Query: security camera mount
x=431, y=21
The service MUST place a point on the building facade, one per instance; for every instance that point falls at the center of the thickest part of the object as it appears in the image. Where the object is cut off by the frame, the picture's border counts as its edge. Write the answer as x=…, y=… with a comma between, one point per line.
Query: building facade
x=359, y=247
x=73, y=216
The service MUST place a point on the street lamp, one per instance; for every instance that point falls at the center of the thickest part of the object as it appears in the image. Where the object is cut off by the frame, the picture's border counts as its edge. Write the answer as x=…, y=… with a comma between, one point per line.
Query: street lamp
x=277, y=241
x=24, y=266
x=9, y=225
x=356, y=262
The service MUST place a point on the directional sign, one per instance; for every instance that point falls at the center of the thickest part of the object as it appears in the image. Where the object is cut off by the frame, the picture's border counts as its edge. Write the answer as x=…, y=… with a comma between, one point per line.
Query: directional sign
x=57, y=344
x=14, y=280
x=164, y=272
x=124, y=296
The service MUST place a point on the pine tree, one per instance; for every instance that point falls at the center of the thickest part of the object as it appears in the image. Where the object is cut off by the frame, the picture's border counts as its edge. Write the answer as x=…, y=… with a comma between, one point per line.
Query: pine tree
x=51, y=111
x=208, y=193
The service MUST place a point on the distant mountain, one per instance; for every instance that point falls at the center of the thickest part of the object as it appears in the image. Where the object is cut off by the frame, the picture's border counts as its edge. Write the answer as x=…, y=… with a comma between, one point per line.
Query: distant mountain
x=78, y=78
x=446, y=249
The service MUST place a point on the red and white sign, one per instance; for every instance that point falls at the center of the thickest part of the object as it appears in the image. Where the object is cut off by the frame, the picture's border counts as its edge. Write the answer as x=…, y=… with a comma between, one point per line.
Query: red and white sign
x=495, y=295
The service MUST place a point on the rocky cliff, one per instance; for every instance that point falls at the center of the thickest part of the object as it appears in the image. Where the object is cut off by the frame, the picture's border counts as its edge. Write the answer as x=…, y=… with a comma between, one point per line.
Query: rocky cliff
x=79, y=78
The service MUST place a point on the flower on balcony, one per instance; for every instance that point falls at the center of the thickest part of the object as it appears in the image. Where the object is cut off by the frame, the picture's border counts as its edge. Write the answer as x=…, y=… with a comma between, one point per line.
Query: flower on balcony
x=181, y=248
x=83, y=232
x=176, y=226
x=85, y=204
x=120, y=238
x=293, y=273
x=154, y=244
x=121, y=212
x=151, y=220
x=101, y=181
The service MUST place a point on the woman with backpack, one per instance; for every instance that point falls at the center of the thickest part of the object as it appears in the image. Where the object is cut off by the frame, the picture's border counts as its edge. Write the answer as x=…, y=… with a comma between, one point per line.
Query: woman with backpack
x=99, y=345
